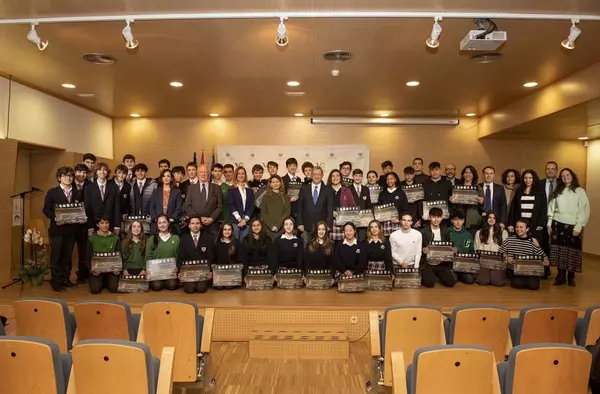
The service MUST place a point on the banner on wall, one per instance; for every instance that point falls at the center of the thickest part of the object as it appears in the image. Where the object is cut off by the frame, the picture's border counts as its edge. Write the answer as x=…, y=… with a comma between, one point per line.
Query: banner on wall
x=328, y=157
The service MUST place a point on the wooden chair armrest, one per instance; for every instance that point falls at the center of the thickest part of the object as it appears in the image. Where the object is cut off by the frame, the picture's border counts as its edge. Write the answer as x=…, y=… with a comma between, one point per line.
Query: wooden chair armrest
x=398, y=373
x=165, y=374
x=509, y=345
x=140, y=333
x=76, y=337
x=375, y=339
x=495, y=377
x=207, y=329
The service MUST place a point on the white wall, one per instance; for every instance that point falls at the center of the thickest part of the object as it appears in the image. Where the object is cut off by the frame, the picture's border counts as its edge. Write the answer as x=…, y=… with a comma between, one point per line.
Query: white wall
x=592, y=230
x=41, y=119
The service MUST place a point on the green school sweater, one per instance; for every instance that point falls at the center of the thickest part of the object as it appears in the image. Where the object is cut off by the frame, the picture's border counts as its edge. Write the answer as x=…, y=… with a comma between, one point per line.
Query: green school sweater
x=164, y=250
x=104, y=244
x=225, y=214
x=463, y=240
x=133, y=258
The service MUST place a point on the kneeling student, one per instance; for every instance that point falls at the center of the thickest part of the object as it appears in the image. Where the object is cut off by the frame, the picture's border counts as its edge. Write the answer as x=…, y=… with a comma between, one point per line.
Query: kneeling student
x=288, y=250
x=406, y=244
x=443, y=270
x=227, y=250
x=463, y=241
x=103, y=241
x=348, y=258
x=163, y=245
x=133, y=249
x=195, y=245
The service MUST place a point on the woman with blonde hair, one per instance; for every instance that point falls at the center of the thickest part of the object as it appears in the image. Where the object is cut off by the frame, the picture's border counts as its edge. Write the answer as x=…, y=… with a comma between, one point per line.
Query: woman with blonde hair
x=275, y=207
x=376, y=250
x=240, y=199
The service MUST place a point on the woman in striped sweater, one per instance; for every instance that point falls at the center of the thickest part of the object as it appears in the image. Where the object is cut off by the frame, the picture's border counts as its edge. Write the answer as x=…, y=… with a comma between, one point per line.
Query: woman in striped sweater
x=529, y=203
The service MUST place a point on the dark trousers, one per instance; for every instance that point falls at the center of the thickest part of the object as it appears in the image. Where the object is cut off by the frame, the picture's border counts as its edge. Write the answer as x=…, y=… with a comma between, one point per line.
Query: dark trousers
x=196, y=287
x=106, y=280
x=442, y=271
x=465, y=278
x=81, y=238
x=522, y=281
x=491, y=277
x=169, y=284
x=61, y=252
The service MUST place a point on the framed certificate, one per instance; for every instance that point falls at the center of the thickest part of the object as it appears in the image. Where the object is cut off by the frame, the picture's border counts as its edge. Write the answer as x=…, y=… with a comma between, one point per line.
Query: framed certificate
x=194, y=271
x=259, y=279
x=133, y=284
x=443, y=205
x=107, y=262
x=73, y=213
x=379, y=280
x=385, y=212
x=227, y=275
x=407, y=278
x=352, y=283
x=289, y=278
x=414, y=193
x=466, y=263
x=344, y=215
x=468, y=195
x=440, y=251
x=319, y=279
x=491, y=260
x=161, y=269
x=374, y=192
x=293, y=189
x=528, y=265
x=259, y=195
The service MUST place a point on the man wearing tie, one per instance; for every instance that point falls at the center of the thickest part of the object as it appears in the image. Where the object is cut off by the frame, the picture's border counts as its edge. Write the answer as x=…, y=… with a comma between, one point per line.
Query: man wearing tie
x=141, y=191
x=194, y=246
x=362, y=198
x=548, y=185
x=129, y=162
x=291, y=165
x=315, y=203
x=101, y=200
x=80, y=230
x=204, y=199
x=494, y=197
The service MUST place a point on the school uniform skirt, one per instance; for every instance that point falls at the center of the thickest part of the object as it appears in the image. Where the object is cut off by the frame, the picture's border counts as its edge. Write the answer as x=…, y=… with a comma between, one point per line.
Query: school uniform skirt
x=565, y=248
x=389, y=227
x=337, y=233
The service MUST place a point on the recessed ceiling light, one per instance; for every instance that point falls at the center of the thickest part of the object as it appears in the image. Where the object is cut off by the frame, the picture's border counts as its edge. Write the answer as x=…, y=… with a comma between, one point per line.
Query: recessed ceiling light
x=293, y=83
x=213, y=115
x=68, y=85
x=530, y=84
x=384, y=114
x=413, y=83
x=298, y=114
x=471, y=114
x=583, y=138
x=86, y=94
x=134, y=115
x=176, y=84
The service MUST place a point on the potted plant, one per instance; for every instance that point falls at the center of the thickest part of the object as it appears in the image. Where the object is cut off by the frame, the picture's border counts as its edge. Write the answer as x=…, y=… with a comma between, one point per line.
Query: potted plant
x=36, y=266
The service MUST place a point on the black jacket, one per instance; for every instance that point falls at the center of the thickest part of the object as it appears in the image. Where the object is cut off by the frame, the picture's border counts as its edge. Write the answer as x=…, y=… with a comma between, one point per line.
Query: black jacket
x=364, y=200
x=310, y=214
x=57, y=196
x=438, y=191
x=499, y=205
x=428, y=237
x=95, y=208
x=204, y=250
x=540, y=209
x=124, y=197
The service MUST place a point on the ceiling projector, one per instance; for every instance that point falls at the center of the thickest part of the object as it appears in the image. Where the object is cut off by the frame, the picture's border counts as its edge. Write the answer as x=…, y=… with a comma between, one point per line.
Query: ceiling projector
x=478, y=40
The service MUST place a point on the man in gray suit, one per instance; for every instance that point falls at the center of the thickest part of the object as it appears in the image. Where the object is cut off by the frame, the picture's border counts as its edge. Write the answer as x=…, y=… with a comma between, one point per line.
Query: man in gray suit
x=204, y=199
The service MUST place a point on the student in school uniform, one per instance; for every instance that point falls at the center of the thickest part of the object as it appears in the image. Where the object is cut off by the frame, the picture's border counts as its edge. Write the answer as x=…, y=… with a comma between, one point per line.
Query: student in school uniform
x=529, y=203
x=133, y=250
x=256, y=183
x=489, y=238
x=361, y=196
x=272, y=168
x=103, y=241
x=346, y=170
x=101, y=199
x=141, y=191
x=463, y=241
x=89, y=159
x=376, y=249
x=165, y=200
x=307, y=168
x=420, y=176
x=196, y=245
x=163, y=245
x=80, y=230
x=240, y=199
x=288, y=251
x=319, y=251
x=436, y=188
x=61, y=235
x=386, y=168
x=258, y=246
x=393, y=194
x=433, y=231
x=123, y=188
x=192, y=173
x=217, y=179
x=129, y=163
x=229, y=174
x=347, y=255
x=406, y=244
x=178, y=175
x=163, y=164
x=292, y=165
x=473, y=213
x=342, y=198
x=414, y=208
x=274, y=207
x=227, y=250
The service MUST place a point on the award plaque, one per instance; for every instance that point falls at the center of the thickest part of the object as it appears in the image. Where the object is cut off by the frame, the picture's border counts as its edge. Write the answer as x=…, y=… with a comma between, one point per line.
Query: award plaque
x=293, y=189
x=385, y=213
x=440, y=251
x=374, y=192
x=161, y=269
x=528, y=265
x=133, y=284
x=130, y=219
x=344, y=215
x=379, y=280
x=407, y=278
x=468, y=195
x=319, y=279
x=107, y=262
x=227, y=275
x=347, y=182
x=259, y=194
x=259, y=279
x=491, y=260
x=443, y=205
x=366, y=216
x=414, y=193
x=194, y=271
x=466, y=262
x=355, y=283
x=289, y=278
x=72, y=213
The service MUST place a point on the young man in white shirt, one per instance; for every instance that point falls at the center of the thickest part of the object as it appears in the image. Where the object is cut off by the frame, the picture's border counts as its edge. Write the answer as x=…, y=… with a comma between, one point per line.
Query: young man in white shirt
x=406, y=244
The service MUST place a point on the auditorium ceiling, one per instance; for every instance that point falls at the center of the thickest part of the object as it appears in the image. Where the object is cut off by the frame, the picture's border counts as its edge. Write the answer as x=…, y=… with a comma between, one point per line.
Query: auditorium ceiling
x=233, y=67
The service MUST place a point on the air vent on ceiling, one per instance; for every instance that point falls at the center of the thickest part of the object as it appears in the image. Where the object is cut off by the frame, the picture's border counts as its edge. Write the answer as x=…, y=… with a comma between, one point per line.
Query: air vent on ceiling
x=98, y=58
x=337, y=56
x=485, y=57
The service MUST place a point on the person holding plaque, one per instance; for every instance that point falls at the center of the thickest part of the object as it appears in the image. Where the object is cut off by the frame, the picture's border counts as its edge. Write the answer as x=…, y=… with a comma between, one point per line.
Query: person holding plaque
x=463, y=241
x=80, y=182
x=473, y=213
x=521, y=244
x=415, y=208
x=240, y=199
x=163, y=245
x=433, y=231
x=227, y=250
x=165, y=200
x=489, y=239
x=529, y=203
x=372, y=178
x=287, y=250
x=256, y=183
x=274, y=207
x=376, y=250
x=406, y=244
x=347, y=256
x=133, y=249
x=393, y=194
x=258, y=246
x=103, y=241
x=196, y=245
x=319, y=252
x=342, y=197
x=101, y=200
x=316, y=204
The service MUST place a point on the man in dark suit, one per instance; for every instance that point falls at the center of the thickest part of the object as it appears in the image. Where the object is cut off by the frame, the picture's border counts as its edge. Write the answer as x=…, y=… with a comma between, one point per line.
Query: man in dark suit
x=196, y=245
x=291, y=165
x=141, y=191
x=80, y=231
x=129, y=162
x=315, y=204
x=101, y=200
x=192, y=174
x=494, y=197
x=204, y=199
x=62, y=236
x=362, y=198
x=548, y=185
x=124, y=189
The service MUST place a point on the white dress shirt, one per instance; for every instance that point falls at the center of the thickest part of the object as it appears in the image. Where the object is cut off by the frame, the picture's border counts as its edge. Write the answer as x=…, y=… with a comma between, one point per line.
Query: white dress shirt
x=406, y=247
x=236, y=214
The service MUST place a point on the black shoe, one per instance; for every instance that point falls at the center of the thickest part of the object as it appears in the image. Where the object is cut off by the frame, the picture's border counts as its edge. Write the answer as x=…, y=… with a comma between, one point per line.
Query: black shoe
x=81, y=281
x=560, y=278
x=571, y=278
x=59, y=289
x=68, y=283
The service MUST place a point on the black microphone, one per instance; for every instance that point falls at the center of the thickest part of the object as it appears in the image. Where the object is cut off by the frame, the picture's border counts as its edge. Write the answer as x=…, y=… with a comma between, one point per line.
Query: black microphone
x=35, y=189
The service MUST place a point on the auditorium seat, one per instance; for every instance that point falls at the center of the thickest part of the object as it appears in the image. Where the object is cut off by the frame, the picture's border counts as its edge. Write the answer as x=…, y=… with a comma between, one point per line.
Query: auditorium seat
x=546, y=368
x=543, y=325
x=406, y=329
x=177, y=324
x=32, y=365
x=115, y=366
x=481, y=325
x=587, y=330
x=98, y=319
x=45, y=318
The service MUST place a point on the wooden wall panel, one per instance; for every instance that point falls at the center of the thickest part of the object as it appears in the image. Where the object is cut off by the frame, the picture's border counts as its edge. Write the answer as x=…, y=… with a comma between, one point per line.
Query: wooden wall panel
x=8, y=153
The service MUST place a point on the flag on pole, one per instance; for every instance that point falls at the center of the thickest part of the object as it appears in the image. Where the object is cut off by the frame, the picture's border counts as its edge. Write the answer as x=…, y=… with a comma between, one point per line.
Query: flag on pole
x=212, y=163
x=194, y=159
x=202, y=157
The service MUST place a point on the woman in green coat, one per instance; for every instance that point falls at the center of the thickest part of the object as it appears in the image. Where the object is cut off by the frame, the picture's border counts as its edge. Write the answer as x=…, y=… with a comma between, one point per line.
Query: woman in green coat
x=274, y=207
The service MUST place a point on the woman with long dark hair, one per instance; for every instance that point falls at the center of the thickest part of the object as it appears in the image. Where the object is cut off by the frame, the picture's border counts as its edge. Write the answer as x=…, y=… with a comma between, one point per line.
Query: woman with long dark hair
x=568, y=213
x=165, y=200
x=133, y=248
x=163, y=245
x=347, y=253
x=342, y=197
x=529, y=203
x=511, y=181
x=393, y=194
x=288, y=249
x=489, y=239
x=319, y=251
x=274, y=207
x=227, y=250
x=258, y=245
x=473, y=213
x=240, y=199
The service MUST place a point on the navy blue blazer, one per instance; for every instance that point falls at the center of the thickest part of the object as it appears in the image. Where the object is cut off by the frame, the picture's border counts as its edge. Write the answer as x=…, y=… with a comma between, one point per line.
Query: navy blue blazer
x=234, y=199
x=173, y=206
x=499, y=205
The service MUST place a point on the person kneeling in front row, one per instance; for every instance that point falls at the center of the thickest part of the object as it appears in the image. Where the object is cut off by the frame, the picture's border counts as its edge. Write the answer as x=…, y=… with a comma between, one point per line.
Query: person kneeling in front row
x=103, y=241
x=432, y=269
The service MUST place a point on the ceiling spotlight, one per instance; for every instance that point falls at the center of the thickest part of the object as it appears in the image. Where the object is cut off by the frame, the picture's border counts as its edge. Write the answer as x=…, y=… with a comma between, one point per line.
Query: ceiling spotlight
x=128, y=36
x=433, y=40
x=176, y=84
x=471, y=114
x=413, y=83
x=134, y=115
x=33, y=37
x=213, y=115
x=575, y=32
x=583, y=138
x=281, y=39
x=68, y=85
x=530, y=84
x=293, y=83
x=298, y=114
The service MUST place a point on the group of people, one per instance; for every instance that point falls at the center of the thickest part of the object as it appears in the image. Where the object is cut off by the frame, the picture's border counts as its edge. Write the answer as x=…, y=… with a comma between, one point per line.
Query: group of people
x=225, y=217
